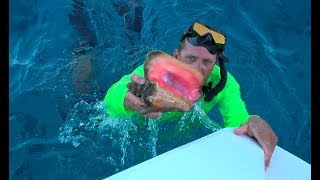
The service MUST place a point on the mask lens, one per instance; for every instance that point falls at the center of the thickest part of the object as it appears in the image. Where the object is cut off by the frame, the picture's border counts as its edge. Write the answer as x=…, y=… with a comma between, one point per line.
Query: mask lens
x=205, y=41
x=201, y=35
x=202, y=29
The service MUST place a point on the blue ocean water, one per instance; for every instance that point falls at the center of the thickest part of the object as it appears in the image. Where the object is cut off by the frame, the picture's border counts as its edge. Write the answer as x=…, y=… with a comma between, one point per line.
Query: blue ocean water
x=64, y=55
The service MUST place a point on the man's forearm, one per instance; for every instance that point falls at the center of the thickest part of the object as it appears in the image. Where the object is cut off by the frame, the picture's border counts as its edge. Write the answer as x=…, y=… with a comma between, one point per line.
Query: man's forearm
x=115, y=97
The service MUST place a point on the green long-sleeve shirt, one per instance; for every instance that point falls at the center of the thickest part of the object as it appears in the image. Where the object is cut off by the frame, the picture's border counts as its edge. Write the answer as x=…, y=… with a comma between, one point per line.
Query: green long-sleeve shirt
x=229, y=102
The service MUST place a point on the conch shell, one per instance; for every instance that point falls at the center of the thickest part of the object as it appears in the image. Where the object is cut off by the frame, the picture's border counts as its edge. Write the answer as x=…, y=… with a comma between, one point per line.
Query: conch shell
x=171, y=85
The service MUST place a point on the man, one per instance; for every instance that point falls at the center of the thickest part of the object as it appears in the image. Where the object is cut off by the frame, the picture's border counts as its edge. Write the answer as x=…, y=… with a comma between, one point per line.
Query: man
x=201, y=47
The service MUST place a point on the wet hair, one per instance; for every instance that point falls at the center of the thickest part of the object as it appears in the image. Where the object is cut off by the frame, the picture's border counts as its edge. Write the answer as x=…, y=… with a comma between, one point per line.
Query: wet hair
x=208, y=91
x=182, y=45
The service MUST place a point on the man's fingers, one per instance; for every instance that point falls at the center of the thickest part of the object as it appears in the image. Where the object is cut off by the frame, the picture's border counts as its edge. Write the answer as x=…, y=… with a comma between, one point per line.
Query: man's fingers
x=263, y=133
x=242, y=129
x=135, y=100
x=130, y=85
x=268, y=146
x=132, y=101
x=135, y=103
x=267, y=157
x=137, y=79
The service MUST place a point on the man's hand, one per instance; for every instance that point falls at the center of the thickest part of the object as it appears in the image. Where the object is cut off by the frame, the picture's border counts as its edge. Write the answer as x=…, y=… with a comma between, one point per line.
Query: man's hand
x=257, y=128
x=135, y=103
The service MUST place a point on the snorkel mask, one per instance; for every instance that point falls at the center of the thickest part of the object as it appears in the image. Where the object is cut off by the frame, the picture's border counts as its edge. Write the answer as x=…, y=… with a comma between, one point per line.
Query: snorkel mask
x=200, y=34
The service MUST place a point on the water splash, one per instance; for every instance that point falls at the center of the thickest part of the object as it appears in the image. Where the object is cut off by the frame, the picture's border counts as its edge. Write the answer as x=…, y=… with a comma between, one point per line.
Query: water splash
x=88, y=125
x=153, y=136
x=197, y=113
x=205, y=120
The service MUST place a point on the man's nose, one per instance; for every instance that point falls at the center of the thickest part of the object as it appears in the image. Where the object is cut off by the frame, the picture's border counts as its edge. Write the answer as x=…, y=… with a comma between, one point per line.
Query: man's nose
x=198, y=66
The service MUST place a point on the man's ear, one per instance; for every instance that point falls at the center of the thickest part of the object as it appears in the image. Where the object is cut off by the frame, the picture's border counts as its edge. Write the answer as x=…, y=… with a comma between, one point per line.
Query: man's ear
x=176, y=54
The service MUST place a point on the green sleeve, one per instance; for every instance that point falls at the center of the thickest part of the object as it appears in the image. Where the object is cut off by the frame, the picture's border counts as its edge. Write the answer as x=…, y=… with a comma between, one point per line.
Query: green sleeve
x=231, y=105
x=114, y=99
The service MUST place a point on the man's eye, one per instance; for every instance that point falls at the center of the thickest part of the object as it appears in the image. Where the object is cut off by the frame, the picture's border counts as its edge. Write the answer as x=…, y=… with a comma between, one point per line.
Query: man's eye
x=191, y=58
x=207, y=62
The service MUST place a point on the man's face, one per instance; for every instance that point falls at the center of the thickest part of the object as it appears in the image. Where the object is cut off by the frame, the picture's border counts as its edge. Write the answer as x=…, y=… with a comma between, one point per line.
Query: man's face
x=198, y=57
